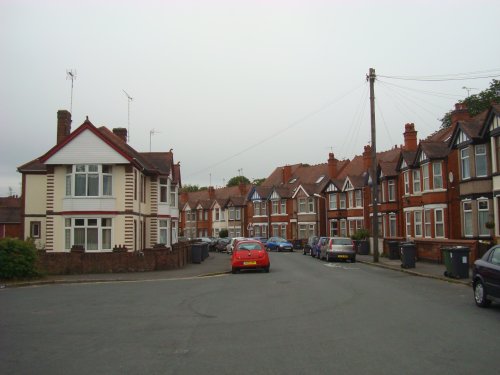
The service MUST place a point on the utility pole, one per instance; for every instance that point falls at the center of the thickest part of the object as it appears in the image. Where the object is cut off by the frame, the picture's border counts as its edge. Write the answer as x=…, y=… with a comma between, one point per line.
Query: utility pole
x=371, y=77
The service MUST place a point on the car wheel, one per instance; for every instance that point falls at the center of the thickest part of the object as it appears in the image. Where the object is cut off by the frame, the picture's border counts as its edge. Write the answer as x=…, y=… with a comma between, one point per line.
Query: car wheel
x=235, y=270
x=353, y=260
x=266, y=270
x=480, y=295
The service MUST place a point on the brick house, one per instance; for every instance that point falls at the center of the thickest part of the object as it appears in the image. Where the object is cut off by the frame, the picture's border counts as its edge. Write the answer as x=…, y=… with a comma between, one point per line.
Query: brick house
x=10, y=218
x=205, y=213
x=92, y=190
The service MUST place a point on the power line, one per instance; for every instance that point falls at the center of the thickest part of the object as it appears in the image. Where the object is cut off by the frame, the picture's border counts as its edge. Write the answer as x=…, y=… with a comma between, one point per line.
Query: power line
x=279, y=132
x=480, y=74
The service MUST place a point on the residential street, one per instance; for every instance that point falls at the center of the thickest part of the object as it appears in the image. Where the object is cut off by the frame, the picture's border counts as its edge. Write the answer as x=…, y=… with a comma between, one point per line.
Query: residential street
x=304, y=317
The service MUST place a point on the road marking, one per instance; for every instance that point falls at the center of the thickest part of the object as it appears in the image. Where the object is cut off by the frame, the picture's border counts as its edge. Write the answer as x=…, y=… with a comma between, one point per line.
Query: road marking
x=336, y=265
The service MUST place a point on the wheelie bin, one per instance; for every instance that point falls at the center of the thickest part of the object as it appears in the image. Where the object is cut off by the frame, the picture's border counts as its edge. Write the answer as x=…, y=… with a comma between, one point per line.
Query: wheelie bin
x=408, y=254
x=196, y=252
x=456, y=260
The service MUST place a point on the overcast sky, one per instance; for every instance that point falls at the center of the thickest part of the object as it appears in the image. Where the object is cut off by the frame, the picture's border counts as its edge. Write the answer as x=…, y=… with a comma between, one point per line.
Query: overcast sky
x=237, y=86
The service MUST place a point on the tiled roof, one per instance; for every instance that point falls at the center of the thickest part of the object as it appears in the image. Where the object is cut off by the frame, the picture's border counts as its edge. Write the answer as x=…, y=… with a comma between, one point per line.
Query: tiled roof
x=389, y=168
x=10, y=215
x=471, y=128
x=152, y=162
x=434, y=150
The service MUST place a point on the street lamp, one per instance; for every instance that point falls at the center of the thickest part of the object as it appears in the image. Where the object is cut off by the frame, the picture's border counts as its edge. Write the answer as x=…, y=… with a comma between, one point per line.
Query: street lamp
x=326, y=219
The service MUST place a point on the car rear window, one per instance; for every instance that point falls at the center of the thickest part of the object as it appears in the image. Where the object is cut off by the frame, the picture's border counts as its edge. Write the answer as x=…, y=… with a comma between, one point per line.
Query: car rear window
x=250, y=246
x=341, y=241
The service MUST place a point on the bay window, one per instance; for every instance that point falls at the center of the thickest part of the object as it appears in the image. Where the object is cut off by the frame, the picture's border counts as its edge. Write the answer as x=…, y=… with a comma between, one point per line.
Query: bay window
x=89, y=180
x=91, y=233
x=439, y=223
x=418, y=223
x=332, y=200
x=391, y=187
x=425, y=177
x=416, y=181
x=481, y=164
x=437, y=175
x=163, y=189
x=482, y=217
x=427, y=223
x=464, y=163
x=467, y=223
x=163, y=231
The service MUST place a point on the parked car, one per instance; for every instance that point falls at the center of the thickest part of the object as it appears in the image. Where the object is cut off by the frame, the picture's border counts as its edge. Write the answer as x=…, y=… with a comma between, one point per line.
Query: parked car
x=263, y=240
x=316, y=249
x=221, y=245
x=338, y=248
x=486, y=277
x=311, y=241
x=249, y=254
x=231, y=244
x=278, y=244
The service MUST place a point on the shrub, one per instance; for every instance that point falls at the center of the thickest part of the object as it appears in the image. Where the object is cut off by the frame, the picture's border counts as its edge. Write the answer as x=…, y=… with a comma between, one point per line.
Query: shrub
x=361, y=234
x=17, y=259
x=223, y=233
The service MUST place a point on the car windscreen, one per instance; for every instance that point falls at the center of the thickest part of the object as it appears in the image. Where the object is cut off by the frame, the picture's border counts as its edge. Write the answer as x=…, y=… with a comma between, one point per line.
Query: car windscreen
x=341, y=241
x=250, y=246
x=279, y=239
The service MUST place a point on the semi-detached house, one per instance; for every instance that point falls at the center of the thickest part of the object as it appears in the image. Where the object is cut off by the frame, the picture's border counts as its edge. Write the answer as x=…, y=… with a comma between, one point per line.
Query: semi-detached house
x=93, y=191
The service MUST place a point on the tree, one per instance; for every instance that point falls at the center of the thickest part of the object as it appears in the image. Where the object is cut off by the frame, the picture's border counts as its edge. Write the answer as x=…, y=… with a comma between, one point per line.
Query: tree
x=190, y=188
x=477, y=103
x=223, y=233
x=258, y=181
x=235, y=181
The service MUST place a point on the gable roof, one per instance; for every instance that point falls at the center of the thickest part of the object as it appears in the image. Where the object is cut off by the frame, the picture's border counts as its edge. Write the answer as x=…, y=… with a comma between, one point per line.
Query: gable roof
x=149, y=162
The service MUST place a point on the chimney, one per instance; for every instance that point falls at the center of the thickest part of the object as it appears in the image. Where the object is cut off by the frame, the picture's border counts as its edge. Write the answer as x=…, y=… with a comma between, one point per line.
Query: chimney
x=184, y=197
x=63, y=125
x=332, y=165
x=367, y=158
x=211, y=192
x=287, y=173
x=243, y=188
x=121, y=133
x=410, y=136
x=460, y=113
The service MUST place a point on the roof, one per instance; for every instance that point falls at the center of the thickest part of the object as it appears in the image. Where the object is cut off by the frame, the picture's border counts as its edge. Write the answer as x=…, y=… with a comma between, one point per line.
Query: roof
x=434, y=150
x=10, y=215
x=149, y=162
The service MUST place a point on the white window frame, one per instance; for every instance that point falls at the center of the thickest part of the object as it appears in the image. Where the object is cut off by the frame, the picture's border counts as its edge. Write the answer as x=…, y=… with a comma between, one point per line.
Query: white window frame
x=332, y=201
x=391, y=189
x=439, y=223
x=437, y=175
x=406, y=177
x=417, y=188
x=104, y=228
x=408, y=224
x=465, y=164
x=163, y=232
x=483, y=214
x=342, y=201
x=425, y=178
x=468, y=229
x=481, y=160
x=417, y=216
x=427, y=223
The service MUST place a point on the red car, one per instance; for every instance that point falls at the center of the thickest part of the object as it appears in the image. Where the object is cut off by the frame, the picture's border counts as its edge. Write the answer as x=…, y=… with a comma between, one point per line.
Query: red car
x=249, y=255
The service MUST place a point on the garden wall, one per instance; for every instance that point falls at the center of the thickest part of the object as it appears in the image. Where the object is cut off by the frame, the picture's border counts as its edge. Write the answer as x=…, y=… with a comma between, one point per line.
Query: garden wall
x=63, y=263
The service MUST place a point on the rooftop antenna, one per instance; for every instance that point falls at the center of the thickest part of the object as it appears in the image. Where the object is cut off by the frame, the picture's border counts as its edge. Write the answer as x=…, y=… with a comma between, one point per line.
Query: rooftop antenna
x=151, y=133
x=129, y=98
x=71, y=74
x=468, y=89
x=240, y=171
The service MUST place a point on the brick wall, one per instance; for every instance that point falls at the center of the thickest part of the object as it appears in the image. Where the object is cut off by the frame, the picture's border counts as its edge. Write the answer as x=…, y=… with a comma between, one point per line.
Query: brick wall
x=430, y=249
x=61, y=263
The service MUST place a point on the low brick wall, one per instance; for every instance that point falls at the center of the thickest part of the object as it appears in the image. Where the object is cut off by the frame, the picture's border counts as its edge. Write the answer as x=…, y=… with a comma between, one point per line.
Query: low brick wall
x=430, y=249
x=63, y=263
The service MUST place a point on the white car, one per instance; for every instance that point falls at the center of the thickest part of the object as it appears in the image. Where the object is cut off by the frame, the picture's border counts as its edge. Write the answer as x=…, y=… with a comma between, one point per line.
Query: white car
x=230, y=245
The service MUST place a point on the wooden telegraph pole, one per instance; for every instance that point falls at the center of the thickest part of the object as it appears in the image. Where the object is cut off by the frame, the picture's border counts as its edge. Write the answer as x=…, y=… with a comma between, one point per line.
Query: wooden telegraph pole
x=371, y=77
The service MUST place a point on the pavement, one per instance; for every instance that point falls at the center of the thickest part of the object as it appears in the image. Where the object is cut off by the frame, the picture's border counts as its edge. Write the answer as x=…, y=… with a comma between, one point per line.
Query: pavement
x=219, y=264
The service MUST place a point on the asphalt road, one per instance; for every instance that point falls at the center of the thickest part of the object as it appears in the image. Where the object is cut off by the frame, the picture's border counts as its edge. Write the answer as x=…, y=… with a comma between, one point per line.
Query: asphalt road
x=304, y=317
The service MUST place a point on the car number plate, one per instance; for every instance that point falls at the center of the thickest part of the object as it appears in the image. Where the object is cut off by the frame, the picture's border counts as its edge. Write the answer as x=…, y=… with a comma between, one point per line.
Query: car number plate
x=249, y=263
x=343, y=256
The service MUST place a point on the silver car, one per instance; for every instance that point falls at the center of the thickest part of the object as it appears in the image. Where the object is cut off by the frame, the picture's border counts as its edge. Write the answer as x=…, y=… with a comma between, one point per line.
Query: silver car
x=338, y=248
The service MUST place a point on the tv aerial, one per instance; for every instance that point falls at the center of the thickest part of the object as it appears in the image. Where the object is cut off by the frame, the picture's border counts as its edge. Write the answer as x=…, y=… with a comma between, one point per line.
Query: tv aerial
x=129, y=99
x=71, y=74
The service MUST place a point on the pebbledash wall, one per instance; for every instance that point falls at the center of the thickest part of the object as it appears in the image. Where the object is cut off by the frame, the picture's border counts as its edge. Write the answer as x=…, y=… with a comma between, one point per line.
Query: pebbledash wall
x=79, y=262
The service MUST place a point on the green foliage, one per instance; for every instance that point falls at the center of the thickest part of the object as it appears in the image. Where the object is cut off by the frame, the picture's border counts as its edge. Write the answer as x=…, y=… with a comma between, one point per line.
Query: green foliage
x=361, y=234
x=235, y=181
x=223, y=233
x=258, y=181
x=477, y=103
x=17, y=259
x=190, y=188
